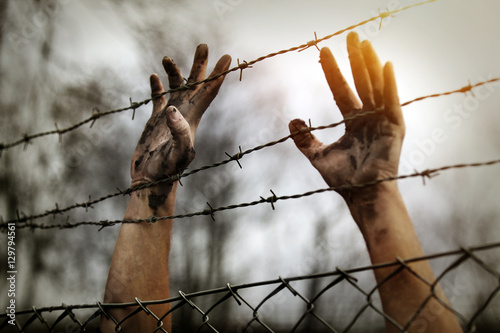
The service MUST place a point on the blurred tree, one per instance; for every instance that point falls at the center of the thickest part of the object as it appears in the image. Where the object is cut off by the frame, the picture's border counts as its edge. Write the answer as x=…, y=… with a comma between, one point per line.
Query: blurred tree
x=56, y=88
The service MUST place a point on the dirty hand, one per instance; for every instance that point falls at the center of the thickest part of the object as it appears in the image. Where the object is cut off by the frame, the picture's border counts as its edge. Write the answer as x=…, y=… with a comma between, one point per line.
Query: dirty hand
x=166, y=145
x=371, y=147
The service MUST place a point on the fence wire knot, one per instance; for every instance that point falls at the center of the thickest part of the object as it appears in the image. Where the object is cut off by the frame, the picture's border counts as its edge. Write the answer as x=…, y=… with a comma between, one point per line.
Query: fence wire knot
x=309, y=129
x=288, y=286
x=236, y=157
x=242, y=66
x=427, y=174
x=133, y=106
x=233, y=293
x=311, y=43
x=346, y=275
x=26, y=139
x=40, y=317
x=467, y=89
x=383, y=15
x=59, y=132
x=96, y=114
x=143, y=307
x=188, y=301
x=272, y=199
x=210, y=211
x=88, y=205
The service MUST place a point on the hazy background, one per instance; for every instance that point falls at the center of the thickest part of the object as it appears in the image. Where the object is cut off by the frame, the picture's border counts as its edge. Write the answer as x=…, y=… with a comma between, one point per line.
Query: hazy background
x=61, y=58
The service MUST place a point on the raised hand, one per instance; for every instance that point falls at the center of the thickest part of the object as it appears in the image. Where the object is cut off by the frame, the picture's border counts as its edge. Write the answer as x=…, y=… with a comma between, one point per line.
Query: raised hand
x=166, y=145
x=371, y=146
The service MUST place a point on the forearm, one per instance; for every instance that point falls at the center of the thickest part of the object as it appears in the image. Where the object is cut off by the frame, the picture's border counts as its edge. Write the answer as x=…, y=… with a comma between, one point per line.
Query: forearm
x=389, y=235
x=385, y=224
x=139, y=266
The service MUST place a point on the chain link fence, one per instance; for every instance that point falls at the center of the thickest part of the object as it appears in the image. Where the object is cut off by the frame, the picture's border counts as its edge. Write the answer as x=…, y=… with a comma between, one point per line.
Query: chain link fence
x=290, y=305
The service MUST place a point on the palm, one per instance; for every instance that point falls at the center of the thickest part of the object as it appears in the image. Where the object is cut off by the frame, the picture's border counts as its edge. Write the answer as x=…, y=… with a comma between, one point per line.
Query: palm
x=362, y=155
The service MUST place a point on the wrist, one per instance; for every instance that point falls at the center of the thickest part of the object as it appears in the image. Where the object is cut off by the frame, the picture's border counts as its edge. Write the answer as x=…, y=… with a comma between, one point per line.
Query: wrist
x=370, y=193
x=369, y=203
x=157, y=200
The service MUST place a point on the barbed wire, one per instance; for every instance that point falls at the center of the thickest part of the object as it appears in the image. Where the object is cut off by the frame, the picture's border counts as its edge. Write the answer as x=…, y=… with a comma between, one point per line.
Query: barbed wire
x=210, y=211
x=65, y=314
x=96, y=114
x=22, y=218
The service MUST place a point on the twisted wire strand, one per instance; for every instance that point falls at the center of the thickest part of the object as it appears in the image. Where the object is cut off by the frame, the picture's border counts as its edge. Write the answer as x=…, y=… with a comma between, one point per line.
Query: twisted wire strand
x=26, y=139
x=429, y=173
x=236, y=157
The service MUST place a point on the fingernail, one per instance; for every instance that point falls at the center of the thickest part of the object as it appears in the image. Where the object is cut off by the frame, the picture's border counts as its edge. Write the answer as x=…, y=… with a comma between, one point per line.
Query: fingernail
x=174, y=114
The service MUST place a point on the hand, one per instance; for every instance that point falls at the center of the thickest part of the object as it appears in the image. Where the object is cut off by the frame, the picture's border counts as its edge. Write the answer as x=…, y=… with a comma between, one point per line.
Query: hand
x=371, y=147
x=166, y=145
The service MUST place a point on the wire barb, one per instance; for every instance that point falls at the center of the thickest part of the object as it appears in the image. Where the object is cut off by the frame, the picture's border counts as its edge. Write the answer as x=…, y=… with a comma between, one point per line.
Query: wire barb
x=210, y=211
x=383, y=15
x=26, y=140
x=242, y=66
x=236, y=157
x=426, y=174
x=59, y=133
x=272, y=199
x=312, y=43
x=134, y=106
x=96, y=114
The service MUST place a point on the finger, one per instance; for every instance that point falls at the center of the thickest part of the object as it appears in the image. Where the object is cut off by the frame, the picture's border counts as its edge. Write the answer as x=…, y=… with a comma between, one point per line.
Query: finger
x=344, y=97
x=156, y=90
x=391, y=99
x=307, y=143
x=199, y=69
x=174, y=152
x=375, y=71
x=175, y=78
x=178, y=125
x=209, y=90
x=360, y=72
x=212, y=87
x=183, y=151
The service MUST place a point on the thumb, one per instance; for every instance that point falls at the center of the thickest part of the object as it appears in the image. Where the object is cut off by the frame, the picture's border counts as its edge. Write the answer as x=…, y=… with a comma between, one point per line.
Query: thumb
x=304, y=139
x=183, y=151
x=178, y=125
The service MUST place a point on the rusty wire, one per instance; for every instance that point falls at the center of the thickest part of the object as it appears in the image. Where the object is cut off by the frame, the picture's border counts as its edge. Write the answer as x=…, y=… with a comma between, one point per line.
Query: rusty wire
x=85, y=316
x=96, y=114
x=22, y=218
x=210, y=211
